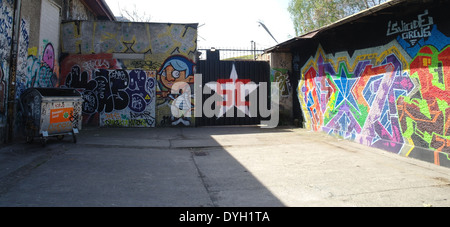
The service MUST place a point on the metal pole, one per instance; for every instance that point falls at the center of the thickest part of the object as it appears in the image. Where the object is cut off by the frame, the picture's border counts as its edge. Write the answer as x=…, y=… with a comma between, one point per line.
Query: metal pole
x=253, y=49
x=267, y=30
x=13, y=71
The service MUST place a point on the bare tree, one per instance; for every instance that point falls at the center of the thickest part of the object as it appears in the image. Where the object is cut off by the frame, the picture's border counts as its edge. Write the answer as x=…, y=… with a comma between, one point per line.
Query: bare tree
x=309, y=15
x=134, y=15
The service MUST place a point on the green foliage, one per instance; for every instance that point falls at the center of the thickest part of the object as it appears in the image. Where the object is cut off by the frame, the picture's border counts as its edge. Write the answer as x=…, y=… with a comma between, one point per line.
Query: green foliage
x=309, y=15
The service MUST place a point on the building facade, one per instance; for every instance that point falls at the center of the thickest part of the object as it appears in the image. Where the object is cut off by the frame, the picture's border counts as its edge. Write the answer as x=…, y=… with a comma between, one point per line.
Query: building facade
x=379, y=78
x=30, y=54
x=127, y=72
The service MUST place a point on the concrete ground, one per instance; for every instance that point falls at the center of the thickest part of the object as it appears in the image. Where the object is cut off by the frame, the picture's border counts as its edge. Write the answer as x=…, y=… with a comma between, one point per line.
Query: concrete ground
x=215, y=167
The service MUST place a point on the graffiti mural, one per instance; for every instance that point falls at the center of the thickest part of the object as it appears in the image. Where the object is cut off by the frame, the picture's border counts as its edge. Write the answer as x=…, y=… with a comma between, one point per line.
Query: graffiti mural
x=144, y=38
x=355, y=98
x=40, y=72
x=118, y=95
x=6, y=24
x=424, y=118
x=394, y=97
x=127, y=71
x=414, y=30
x=36, y=70
x=176, y=69
x=129, y=98
x=437, y=40
x=22, y=58
x=112, y=96
x=281, y=76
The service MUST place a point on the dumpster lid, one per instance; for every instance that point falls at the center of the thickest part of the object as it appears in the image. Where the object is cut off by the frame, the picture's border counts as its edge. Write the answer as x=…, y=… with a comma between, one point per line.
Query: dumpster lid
x=65, y=92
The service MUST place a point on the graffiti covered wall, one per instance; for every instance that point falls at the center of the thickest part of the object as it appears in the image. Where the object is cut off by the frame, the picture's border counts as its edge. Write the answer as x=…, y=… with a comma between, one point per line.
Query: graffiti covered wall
x=6, y=28
x=6, y=24
x=38, y=58
x=126, y=71
x=281, y=76
x=280, y=63
x=394, y=97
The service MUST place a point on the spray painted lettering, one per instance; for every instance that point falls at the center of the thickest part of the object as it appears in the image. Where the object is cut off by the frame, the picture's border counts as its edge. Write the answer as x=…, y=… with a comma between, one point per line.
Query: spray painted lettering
x=394, y=97
x=281, y=76
x=6, y=23
x=114, y=90
x=423, y=120
x=356, y=99
x=413, y=31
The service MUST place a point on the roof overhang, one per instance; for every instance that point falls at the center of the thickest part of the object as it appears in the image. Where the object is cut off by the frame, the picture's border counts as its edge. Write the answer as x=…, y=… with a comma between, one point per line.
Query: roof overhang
x=285, y=46
x=100, y=8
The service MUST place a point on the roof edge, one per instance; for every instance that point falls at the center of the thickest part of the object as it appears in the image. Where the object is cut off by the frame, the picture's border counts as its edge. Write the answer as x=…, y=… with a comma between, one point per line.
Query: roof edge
x=363, y=13
x=107, y=10
x=100, y=8
x=359, y=15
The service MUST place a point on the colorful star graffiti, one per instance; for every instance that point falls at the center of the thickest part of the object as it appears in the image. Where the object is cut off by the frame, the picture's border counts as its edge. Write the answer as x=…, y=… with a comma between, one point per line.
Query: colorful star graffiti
x=381, y=98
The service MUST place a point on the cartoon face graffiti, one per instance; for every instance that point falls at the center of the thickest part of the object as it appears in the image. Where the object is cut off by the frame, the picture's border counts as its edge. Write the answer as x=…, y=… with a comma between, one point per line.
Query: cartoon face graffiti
x=176, y=69
x=49, y=56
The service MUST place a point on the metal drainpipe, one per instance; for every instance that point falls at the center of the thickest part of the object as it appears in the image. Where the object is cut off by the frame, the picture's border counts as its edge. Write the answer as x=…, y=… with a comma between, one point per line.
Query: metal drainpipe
x=13, y=71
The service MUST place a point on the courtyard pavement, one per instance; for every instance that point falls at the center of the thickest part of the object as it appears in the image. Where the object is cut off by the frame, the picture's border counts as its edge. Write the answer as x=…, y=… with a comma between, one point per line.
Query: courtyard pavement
x=235, y=166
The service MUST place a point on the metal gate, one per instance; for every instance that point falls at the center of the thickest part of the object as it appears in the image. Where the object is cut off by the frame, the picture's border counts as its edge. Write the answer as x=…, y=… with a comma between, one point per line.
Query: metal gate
x=250, y=73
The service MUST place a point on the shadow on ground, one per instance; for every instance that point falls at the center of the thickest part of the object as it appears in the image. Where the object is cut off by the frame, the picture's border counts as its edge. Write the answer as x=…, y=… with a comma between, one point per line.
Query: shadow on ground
x=169, y=167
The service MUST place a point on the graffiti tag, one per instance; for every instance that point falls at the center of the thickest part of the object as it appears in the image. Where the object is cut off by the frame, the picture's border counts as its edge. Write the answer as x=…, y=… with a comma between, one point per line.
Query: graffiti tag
x=412, y=31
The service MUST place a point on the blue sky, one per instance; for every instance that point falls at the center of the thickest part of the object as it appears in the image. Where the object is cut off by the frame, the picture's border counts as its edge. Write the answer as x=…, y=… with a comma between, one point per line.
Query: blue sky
x=225, y=23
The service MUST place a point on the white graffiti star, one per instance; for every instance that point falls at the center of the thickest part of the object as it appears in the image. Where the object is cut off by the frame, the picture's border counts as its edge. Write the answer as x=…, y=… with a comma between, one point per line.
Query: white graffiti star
x=234, y=92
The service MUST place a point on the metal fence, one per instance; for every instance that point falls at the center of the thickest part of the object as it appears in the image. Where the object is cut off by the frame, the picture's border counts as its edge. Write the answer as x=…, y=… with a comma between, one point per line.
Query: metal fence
x=231, y=54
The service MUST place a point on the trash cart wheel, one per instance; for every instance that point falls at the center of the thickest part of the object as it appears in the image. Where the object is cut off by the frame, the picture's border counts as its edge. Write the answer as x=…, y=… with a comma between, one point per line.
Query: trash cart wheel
x=43, y=141
x=60, y=137
x=29, y=134
x=30, y=139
